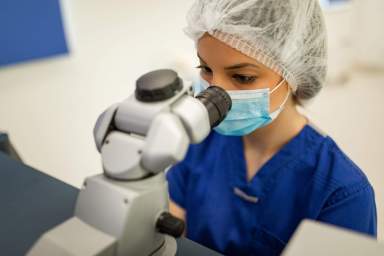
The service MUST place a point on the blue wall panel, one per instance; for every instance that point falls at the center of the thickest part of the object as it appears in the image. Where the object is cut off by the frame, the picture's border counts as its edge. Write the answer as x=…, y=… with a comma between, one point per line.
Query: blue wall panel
x=30, y=29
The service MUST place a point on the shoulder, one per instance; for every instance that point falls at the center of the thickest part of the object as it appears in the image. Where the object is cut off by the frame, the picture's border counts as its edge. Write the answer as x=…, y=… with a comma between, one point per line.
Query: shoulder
x=328, y=160
x=335, y=164
x=339, y=191
x=349, y=200
x=334, y=173
x=347, y=178
x=323, y=164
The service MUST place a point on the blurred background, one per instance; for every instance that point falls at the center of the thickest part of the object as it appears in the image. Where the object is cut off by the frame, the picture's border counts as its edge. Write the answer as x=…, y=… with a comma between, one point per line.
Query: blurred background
x=63, y=62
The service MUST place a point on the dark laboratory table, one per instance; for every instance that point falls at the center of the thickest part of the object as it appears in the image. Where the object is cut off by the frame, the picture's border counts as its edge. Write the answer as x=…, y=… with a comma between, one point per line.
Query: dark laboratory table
x=7, y=147
x=32, y=202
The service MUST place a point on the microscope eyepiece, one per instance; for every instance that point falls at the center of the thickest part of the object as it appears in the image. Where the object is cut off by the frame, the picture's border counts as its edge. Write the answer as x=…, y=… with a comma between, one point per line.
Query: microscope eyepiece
x=218, y=103
x=163, y=84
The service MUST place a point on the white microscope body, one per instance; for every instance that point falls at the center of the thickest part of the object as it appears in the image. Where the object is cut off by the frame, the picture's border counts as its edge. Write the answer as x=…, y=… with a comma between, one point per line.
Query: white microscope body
x=124, y=211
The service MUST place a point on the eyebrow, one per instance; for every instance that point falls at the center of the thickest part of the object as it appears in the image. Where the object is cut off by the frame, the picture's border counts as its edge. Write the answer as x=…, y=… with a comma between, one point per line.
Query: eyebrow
x=242, y=65
x=237, y=66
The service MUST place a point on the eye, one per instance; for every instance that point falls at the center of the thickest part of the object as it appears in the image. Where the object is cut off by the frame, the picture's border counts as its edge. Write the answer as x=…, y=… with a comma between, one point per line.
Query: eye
x=204, y=69
x=243, y=79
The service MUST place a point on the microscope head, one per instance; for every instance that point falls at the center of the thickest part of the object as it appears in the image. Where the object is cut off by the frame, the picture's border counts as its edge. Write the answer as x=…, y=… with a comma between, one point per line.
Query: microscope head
x=159, y=122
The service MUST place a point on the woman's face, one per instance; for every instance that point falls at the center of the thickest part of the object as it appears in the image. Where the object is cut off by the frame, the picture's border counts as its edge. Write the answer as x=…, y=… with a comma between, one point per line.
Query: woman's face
x=228, y=68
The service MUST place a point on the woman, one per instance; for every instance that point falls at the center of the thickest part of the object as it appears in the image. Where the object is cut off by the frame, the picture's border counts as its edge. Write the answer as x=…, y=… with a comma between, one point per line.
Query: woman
x=245, y=189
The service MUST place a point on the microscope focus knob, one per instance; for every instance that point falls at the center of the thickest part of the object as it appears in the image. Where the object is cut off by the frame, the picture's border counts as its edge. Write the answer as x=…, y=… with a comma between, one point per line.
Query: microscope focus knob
x=158, y=85
x=169, y=224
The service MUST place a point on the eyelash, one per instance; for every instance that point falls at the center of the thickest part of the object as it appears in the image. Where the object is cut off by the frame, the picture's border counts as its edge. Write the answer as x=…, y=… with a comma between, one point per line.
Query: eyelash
x=242, y=79
x=204, y=69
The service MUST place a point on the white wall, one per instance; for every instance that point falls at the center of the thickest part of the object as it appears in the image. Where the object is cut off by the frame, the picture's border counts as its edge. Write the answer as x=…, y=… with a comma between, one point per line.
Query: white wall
x=49, y=107
x=355, y=38
x=369, y=33
x=340, y=48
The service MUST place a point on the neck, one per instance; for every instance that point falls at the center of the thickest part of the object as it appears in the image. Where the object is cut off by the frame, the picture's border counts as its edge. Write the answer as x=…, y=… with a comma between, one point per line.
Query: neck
x=269, y=139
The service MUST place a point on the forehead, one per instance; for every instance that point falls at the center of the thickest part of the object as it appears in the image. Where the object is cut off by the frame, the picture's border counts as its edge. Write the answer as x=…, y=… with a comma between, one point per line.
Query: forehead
x=214, y=52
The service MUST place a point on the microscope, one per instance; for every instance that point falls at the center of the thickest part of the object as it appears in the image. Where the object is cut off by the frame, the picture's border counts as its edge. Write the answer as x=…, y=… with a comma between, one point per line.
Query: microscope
x=124, y=211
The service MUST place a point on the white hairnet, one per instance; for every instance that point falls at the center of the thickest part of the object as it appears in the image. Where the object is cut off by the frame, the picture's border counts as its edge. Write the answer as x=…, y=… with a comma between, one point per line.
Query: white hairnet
x=288, y=36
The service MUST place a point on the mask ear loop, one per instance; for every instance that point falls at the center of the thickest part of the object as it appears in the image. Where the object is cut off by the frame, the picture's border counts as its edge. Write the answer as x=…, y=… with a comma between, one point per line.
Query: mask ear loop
x=277, y=86
x=275, y=113
x=287, y=97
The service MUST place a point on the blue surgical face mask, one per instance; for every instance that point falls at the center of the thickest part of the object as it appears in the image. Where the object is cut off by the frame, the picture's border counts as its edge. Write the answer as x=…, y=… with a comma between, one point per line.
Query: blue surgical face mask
x=250, y=110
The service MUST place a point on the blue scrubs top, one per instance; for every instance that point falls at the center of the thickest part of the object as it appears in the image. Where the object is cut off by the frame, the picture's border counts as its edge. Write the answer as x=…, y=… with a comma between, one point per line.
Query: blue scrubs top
x=310, y=177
